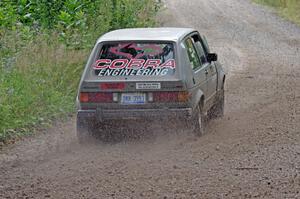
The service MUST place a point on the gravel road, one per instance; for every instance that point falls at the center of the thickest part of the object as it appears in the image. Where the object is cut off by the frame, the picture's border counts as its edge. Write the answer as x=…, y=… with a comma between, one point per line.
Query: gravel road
x=253, y=152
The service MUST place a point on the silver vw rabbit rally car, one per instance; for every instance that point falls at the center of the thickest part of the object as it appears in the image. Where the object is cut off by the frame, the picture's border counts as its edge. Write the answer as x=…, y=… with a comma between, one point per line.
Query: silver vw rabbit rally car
x=150, y=73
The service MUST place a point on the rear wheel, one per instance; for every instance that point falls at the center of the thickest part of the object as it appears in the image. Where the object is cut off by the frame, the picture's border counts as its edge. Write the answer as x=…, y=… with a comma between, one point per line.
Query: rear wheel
x=84, y=130
x=199, y=121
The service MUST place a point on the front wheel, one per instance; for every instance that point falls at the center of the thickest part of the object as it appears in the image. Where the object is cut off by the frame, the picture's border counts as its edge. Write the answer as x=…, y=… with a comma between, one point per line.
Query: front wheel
x=217, y=110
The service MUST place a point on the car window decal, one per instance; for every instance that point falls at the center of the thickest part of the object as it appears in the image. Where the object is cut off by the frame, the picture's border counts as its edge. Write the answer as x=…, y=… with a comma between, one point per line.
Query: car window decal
x=124, y=67
x=135, y=59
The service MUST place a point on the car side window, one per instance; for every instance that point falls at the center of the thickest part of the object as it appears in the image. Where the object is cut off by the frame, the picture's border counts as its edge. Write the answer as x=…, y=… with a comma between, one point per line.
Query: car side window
x=192, y=54
x=200, y=49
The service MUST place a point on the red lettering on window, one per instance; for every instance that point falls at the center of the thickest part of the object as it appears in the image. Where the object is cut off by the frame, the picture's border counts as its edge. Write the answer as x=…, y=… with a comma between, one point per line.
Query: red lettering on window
x=136, y=63
x=168, y=64
x=118, y=64
x=154, y=63
x=101, y=64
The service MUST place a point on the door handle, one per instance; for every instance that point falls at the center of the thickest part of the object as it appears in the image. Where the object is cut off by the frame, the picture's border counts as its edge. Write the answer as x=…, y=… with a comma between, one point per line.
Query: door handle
x=206, y=72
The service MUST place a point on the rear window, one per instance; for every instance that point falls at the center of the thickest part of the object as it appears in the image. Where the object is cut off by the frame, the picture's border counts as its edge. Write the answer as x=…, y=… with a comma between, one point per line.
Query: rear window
x=135, y=59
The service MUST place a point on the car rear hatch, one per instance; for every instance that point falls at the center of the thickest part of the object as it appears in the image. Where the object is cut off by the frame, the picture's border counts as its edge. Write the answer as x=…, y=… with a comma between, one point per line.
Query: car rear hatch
x=133, y=74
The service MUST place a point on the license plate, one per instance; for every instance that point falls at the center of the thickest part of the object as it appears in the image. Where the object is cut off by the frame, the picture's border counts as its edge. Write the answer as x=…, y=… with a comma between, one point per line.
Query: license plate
x=148, y=86
x=133, y=98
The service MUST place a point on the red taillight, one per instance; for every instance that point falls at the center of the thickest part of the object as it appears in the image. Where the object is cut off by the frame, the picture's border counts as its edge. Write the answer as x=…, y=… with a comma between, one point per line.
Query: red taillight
x=84, y=97
x=183, y=96
x=96, y=97
x=171, y=96
x=165, y=96
x=112, y=86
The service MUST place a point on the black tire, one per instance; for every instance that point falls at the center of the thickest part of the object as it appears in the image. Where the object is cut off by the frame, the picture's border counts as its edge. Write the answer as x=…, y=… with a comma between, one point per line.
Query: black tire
x=84, y=131
x=217, y=110
x=199, y=121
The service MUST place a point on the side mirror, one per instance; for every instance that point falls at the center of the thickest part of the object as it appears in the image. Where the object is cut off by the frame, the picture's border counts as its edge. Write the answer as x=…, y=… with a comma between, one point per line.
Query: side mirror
x=212, y=57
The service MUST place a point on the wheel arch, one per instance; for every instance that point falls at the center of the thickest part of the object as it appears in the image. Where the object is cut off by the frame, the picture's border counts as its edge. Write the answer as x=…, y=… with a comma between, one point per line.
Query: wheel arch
x=223, y=81
x=200, y=99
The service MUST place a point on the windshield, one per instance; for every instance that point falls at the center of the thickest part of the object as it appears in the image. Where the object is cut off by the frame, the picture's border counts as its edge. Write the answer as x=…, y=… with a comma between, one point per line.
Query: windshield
x=135, y=59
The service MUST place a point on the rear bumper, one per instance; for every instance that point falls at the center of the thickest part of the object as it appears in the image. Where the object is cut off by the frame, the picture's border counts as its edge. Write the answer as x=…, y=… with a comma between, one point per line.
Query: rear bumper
x=124, y=114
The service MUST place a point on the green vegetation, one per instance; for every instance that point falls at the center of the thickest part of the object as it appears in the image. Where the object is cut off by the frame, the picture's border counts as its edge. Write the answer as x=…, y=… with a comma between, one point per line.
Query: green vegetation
x=43, y=48
x=289, y=9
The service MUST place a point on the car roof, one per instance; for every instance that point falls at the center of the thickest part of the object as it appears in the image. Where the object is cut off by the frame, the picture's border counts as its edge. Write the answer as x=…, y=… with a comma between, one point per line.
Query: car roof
x=150, y=34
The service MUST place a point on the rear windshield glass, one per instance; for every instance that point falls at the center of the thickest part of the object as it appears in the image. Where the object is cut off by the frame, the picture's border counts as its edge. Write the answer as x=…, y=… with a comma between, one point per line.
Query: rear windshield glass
x=135, y=59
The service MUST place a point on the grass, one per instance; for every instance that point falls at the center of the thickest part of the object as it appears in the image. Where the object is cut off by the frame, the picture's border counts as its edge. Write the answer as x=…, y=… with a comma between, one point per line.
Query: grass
x=37, y=85
x=289, y=9
x=39, y=73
